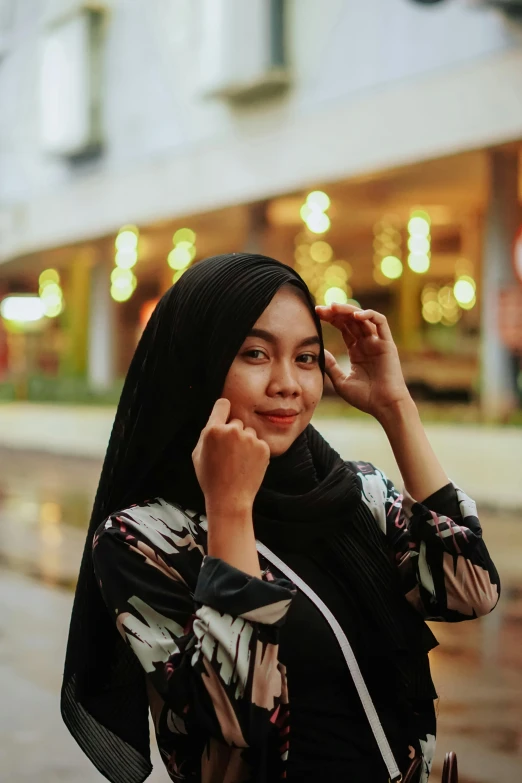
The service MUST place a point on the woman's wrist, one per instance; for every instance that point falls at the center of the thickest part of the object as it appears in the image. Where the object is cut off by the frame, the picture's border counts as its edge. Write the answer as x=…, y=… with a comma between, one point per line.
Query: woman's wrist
x=231, y=537
x=397, y=413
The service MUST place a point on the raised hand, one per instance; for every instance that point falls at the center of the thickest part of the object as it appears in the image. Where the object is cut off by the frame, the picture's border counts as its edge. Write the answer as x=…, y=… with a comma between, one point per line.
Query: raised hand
x=375, y=383
x=230, y=461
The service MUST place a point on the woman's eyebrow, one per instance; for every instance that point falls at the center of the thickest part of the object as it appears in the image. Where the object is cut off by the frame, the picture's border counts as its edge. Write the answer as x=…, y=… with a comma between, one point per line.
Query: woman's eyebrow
x=271, y=338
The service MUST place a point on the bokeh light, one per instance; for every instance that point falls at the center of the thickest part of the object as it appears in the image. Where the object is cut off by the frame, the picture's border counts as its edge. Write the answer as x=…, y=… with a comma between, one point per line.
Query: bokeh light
x=321, y=252
x=22, y=308
x=317, y=200
x=184, y=235
x=318, y=222
x=51, y=293
x=335, y=294
x=127, y=238
x=123, y=280
x=419, y=262
x=464, y=290
x=391, y=267
x=126, y=259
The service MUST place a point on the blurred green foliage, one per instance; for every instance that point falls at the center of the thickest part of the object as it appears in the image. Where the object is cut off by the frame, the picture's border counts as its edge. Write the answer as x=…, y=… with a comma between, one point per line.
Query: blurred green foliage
x=68, y=389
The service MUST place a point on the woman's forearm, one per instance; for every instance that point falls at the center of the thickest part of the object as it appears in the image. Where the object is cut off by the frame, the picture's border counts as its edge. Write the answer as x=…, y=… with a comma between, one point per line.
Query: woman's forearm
x=231, y=538
x=420, y=469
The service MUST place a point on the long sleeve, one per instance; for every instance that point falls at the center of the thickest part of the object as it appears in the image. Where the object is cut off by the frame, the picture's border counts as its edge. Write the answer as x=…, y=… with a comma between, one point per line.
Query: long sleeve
x=444, y=565
x=209, y=653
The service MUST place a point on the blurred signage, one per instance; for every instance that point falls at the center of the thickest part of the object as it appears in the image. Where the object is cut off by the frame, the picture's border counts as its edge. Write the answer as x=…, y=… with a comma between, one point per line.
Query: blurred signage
x=517, y=254
x=69, y=84
x=510, y=317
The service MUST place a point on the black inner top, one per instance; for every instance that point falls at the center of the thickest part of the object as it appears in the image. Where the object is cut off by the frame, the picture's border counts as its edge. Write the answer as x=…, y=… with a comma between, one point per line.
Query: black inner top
x=331, y=739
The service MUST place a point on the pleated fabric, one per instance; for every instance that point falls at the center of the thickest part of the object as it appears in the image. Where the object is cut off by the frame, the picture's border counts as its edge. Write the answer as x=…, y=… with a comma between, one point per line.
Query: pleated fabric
x=309, y=501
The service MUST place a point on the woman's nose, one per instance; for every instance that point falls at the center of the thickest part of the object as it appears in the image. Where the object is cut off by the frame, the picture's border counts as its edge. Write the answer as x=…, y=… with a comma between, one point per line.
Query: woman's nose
x=284, y=381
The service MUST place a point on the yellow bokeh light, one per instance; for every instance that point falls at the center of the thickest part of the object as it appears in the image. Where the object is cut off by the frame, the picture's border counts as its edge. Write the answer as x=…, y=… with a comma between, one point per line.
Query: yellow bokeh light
x=391, y=267
x=50, y=290
x=121, y=294
x=335, y=294
x=321, y=252
x=189, y=247
x=422, y=214
x=335, y=273
x=54, y=310
x=305, y=212
x=179, y=258
x=464, y=291
x=451, y=318
x=469, y=305
x=419, y=262
x=429, y=294
x=446, y=297
x=49, y=276
x=432, y=312
x=184, y=235
x=127, y=238
x=353, y=302
x=178, y=274
x=419, y=227
x=52, y=301
x=420, y=245
x=318, y=222
x=318, y=201
x=126, y=259
x=123, y=279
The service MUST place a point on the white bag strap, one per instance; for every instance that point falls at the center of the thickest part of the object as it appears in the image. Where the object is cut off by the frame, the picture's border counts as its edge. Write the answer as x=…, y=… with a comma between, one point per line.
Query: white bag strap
x=362, y=690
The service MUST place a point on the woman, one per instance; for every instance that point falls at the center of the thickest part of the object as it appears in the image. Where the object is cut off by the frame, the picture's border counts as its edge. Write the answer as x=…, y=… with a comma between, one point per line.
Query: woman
x=212, y=447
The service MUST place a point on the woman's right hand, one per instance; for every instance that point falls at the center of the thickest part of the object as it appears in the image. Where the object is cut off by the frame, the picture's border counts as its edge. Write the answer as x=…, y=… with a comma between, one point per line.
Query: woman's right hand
x=230, y=462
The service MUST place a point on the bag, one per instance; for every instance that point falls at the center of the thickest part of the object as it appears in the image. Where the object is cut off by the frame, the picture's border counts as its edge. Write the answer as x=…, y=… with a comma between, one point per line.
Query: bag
x=449, y=772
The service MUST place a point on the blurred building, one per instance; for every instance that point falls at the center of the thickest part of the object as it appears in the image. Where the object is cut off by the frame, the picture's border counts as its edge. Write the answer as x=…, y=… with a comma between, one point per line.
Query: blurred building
x=374, y=145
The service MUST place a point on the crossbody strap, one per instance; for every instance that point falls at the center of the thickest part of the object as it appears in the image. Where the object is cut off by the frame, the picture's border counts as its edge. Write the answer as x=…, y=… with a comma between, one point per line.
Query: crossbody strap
x=351, y=661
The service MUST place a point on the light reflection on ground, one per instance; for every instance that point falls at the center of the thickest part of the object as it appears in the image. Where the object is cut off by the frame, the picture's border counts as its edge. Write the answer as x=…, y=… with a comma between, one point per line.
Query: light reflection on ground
x=45, y=502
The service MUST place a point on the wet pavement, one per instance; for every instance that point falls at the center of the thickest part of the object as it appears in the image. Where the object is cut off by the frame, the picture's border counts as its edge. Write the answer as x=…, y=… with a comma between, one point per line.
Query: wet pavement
x=45, y=502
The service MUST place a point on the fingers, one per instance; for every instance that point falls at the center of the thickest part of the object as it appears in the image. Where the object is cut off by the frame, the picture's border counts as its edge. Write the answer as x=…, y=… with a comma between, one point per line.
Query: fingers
x=333, y=370
x=361, y=323
x=220, y=412
x=378, y=320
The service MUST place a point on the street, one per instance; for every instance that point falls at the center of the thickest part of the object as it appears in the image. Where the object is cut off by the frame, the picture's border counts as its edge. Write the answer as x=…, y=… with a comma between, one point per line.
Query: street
x=44, y=504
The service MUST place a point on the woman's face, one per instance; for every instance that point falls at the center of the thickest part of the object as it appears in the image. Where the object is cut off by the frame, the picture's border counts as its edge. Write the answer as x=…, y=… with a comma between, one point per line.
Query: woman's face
x=275, y=381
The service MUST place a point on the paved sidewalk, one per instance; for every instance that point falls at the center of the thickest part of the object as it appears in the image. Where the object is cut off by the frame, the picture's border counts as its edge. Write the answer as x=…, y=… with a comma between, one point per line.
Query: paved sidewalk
x=486, y=461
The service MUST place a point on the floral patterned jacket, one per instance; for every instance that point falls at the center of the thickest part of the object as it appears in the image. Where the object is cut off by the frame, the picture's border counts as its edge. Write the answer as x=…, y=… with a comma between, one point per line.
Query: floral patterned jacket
x=206, y=633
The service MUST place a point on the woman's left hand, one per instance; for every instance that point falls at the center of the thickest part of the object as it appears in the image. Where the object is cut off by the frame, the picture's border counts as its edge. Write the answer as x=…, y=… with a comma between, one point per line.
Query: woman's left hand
x=375, y=383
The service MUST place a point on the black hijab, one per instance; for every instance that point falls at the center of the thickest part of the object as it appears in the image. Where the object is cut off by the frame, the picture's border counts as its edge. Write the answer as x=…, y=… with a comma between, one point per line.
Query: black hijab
x=309, y=502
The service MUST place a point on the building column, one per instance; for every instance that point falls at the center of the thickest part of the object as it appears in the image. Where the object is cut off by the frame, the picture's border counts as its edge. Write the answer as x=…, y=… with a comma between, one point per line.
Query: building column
x=101, y=365
x=76, y=295
x=503, y=216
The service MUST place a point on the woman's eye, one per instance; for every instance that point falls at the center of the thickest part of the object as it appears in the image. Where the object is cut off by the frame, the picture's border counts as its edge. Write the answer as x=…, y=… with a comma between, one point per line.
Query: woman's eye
x=254, y=353
x=308, y=358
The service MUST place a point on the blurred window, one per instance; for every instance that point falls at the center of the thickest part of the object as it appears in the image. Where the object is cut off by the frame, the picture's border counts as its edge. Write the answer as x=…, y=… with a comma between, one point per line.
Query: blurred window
x=242, y=48
x=70, y=84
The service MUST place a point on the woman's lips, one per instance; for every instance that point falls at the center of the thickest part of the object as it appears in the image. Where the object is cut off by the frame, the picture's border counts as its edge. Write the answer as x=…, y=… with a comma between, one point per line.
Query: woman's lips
x=279, y=421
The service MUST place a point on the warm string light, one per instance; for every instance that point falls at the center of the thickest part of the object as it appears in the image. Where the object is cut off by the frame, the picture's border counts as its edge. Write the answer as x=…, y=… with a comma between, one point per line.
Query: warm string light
x=326, y=278
x=313, y=212
x=444, y=304
x=387, y=242
x=123, y=279
x=314, y=258
x=183, y=252
x=51, y=293
x=419, y=241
